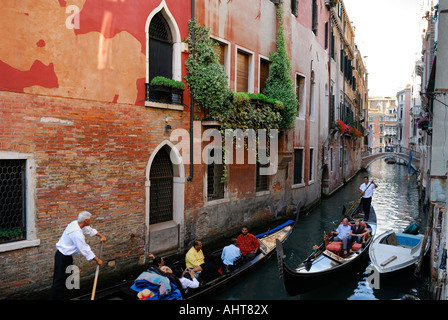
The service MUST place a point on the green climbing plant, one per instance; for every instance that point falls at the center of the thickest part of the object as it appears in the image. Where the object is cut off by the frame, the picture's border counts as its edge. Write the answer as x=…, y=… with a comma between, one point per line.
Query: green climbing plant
x=206, y=77
x=279, y=85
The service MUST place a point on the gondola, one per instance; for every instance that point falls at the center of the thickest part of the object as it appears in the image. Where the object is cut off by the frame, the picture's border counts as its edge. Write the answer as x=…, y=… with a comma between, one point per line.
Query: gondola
x=267, y=240
x=326, y=263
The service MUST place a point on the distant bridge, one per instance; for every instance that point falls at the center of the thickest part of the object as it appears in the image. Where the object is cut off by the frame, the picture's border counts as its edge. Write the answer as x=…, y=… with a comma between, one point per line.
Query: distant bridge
x=391, y=152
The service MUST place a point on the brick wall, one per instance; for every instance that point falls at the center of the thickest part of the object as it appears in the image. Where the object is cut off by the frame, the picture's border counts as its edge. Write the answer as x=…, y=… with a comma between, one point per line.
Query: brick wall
x=89, y=156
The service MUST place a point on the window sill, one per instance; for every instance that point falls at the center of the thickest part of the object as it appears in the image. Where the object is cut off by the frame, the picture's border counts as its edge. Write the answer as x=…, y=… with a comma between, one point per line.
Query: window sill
x=216, y=202
x=159, y=105
x=297, y=186
x=262, y=193
x=19, y=245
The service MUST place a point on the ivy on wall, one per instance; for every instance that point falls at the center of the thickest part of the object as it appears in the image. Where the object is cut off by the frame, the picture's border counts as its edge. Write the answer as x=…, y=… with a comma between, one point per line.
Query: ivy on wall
x=279, y=84
x=208, y=83
x=206, y=77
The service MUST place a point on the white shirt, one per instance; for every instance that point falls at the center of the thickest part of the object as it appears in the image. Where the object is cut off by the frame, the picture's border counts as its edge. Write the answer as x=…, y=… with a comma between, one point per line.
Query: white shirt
x=368, y=191
x=187, y=283
x=73, y=241
x=343, y=231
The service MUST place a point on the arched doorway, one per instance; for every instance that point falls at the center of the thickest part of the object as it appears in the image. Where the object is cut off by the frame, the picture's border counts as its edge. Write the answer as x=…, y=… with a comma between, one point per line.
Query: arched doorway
x=161, y=192
x=165, y=194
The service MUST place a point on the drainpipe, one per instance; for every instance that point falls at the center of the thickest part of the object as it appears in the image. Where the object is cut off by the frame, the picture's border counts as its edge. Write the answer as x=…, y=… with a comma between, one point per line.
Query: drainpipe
x=190, y=177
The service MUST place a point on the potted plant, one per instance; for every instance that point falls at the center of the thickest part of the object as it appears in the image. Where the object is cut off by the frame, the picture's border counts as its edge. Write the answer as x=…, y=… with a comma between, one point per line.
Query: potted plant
x=7, y=235
x=166, y=90
x=342, y=127
x=423, y=123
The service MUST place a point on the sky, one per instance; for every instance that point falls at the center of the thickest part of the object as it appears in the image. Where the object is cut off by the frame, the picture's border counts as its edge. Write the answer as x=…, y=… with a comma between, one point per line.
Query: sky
x=388, y=33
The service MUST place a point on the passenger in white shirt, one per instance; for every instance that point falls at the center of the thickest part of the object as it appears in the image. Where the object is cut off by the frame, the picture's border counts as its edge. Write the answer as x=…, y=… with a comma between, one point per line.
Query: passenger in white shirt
x=366, y=189
x=71, y=243
x=186, y=283
x=342, y=233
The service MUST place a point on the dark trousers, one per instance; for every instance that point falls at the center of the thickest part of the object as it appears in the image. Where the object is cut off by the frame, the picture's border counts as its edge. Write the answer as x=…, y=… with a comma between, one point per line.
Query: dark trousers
x=59, y=289
x=366, y=207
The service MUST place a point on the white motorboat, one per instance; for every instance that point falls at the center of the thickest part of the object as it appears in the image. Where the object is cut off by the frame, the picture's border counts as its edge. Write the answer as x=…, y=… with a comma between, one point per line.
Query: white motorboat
x=393, y=251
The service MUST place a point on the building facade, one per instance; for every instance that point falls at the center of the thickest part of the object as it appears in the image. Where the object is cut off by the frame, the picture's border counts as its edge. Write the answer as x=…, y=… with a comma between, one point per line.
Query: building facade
x=348, y=94
x=383, y=123
x=403, y=116
x=84, y=127
x=432, y=125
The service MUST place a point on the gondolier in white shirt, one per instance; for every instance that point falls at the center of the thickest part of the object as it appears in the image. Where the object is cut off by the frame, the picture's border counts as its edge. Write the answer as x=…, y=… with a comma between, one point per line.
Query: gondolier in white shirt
x=71, y=243
x=366, y=190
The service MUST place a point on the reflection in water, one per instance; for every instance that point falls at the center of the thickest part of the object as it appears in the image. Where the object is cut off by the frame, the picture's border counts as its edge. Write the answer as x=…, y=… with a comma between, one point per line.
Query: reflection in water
x=396, y=205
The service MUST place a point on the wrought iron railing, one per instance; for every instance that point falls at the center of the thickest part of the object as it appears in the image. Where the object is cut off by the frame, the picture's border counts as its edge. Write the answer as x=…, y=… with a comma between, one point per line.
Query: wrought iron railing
x=163, y=94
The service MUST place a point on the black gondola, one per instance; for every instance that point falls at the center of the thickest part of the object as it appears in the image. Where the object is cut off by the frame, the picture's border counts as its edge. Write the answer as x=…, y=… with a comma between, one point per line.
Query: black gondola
x=324, y=265
x=267, y=240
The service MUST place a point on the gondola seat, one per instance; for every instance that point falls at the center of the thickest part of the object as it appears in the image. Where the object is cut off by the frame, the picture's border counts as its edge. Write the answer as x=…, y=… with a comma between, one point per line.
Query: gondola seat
x=334, y=246
x=356, y=246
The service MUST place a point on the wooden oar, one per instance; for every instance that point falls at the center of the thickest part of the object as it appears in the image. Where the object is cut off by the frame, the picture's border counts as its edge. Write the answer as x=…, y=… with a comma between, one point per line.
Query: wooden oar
x=357, y=200
x=96, y=274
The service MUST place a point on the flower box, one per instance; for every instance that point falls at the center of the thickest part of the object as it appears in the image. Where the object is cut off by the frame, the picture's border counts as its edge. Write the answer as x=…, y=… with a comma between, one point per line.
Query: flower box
x=164, y=94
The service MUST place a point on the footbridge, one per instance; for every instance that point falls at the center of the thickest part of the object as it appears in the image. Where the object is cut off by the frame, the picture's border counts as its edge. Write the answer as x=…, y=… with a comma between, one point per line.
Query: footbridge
x=391, y=152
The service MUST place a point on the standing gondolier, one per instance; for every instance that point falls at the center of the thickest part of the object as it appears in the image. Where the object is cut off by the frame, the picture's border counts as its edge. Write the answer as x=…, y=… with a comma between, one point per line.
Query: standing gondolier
x=71, y=243
x=366, y=190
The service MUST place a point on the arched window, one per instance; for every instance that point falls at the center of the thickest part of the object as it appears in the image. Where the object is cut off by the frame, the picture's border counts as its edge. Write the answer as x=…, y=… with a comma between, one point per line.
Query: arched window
x=161, y=194
x=160, y=48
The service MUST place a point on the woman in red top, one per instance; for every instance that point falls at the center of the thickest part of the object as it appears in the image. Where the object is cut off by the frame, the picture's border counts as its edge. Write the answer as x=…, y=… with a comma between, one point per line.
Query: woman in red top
x=248, y=244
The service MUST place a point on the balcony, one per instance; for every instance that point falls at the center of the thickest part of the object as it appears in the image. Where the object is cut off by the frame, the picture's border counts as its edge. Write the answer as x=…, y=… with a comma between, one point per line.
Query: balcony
x=163, y=97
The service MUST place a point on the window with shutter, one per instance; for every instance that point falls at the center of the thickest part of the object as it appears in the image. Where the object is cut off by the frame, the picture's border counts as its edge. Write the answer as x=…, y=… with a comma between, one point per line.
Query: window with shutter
x=298, y=166
x=264, y=73
x=242, y=78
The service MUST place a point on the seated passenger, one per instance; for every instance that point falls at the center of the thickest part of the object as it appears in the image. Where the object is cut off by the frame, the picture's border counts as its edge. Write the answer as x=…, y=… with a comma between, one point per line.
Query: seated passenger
x=159, y=263
x=186, y=283
x=230, y=255
x=342, y=232
x=358, y=232
x=195, y=258
x=248, y=244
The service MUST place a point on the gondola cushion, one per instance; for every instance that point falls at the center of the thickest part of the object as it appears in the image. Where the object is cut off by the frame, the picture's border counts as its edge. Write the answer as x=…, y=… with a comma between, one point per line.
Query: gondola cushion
x=334, y=246
x=356, y=246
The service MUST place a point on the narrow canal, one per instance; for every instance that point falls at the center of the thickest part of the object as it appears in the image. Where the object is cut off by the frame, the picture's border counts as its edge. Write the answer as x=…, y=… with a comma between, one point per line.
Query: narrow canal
x=396, y=202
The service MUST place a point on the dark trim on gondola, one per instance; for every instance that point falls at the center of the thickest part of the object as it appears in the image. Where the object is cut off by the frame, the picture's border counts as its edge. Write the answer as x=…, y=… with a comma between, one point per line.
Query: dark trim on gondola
x=123, y=292
x=301, y=282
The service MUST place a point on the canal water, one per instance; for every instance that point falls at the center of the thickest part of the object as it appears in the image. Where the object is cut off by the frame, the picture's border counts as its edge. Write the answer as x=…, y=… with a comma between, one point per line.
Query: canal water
x=396, y=203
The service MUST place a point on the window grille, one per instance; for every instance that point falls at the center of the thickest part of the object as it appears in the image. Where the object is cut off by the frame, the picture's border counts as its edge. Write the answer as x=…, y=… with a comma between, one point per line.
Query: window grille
x=215, y=183
x=159, y=29
x=161, y=191
x=261, y=180
x=12, y=200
